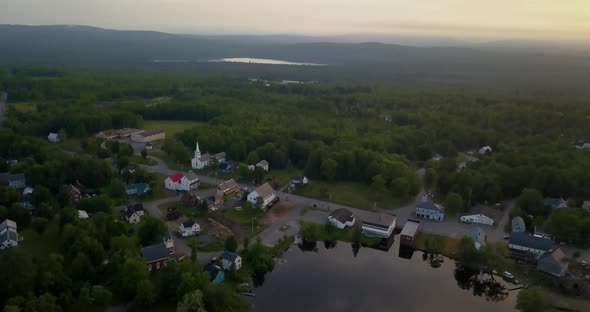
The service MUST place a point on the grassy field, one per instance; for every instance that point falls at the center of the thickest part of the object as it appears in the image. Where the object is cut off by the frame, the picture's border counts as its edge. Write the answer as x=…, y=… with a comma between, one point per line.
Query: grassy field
x=171, y=127
x=243, y=216
x=352, y=194
x=40, y=245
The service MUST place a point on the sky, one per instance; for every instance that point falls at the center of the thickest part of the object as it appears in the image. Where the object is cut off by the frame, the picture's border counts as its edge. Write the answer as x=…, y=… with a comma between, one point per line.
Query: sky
x=466, y=19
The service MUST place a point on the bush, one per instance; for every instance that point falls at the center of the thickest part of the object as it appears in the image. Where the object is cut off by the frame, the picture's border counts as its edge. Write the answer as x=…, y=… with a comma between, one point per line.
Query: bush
x=40, y=224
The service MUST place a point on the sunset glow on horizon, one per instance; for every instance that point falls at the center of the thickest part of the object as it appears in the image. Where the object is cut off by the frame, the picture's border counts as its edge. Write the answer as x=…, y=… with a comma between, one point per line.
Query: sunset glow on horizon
x=472, y=19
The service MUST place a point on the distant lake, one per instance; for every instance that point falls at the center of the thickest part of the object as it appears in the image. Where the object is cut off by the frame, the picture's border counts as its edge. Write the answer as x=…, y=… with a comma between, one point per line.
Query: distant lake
x=330, y=278
x=262, y=61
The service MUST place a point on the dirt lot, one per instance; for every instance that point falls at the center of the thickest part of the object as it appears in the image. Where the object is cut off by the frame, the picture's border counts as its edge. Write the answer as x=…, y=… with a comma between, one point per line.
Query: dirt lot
x=278, y=211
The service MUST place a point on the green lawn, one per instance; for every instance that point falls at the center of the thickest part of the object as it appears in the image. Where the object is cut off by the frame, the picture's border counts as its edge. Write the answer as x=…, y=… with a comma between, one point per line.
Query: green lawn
x=171, y=127
x=352, y=194
x=40, y=245
x=316, y=232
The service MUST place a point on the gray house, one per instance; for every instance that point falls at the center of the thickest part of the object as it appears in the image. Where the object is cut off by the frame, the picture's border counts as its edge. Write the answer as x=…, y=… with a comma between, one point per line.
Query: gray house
x=8, y=234
x=431, y=211
x=518, y=225
x=16, y=180
x=554, y=263
x=555, y=203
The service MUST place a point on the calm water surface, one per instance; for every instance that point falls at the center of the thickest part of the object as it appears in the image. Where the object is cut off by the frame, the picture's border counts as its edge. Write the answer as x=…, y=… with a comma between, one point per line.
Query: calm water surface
x=333, y=279
x=262, y=61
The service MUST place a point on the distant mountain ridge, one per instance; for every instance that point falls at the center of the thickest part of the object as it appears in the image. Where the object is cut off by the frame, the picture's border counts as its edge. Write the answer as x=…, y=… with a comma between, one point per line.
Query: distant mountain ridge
x=369, y=61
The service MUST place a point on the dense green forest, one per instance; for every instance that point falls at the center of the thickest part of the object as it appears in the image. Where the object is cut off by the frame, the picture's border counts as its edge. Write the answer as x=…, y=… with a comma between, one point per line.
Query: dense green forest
x=369, y=134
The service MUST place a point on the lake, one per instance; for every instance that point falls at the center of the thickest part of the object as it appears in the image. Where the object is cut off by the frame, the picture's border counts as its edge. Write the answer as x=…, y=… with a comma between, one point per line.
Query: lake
x=252, y=60
x=333, y=279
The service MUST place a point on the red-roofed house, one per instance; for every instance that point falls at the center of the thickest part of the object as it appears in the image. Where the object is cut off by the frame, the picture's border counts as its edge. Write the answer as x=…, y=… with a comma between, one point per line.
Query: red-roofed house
x=177, y=182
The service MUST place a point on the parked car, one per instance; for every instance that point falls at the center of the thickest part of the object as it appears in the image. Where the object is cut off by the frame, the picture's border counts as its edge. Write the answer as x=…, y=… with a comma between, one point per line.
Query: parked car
x=508, y=275
x=506, y=236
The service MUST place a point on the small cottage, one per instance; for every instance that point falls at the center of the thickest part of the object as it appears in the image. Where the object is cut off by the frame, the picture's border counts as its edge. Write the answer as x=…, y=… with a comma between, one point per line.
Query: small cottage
x=379, y=225
x=431, y=211
x=263, y=164
x=341, y=218
x=518, y=225
x=265, y=192
x=230, y=260
x=479, y=237
x=8, y=234
x=189, y=228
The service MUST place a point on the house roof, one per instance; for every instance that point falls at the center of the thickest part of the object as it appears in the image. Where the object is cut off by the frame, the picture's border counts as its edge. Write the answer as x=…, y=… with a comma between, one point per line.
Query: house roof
x=205, y=157
x=297, y=178
x=554, y=202
x=138, y=187
x=264, y=190
x=430, y=206
x=213, y=271
x=109, y=133
x=129, y=213
x=176, y=177
x=150, y=132
x=188, y=224
x=489, y=212
x=219, y=155
x=527, y=240
x=263, y=163
x=518, y=222
x=191, y=176
x=410, y=228
x=228, y=186
x=380, y=219
x=82, y=214
x=155, y=252
x=135, y=207
x=343, y=215
x=554, y=263
x=9, y=177
x=8, y=224
x=229, y=256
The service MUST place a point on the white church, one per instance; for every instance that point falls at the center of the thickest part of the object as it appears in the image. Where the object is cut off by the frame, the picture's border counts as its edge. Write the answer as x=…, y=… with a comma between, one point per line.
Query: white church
x=202, y=161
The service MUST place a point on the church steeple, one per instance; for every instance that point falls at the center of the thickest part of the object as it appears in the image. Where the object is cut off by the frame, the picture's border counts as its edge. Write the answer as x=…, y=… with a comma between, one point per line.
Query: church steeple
x=197, y=151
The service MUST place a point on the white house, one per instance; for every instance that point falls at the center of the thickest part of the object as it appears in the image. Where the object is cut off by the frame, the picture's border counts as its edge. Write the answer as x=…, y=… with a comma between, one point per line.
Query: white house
x=201, y=161
x=299, y=180
x=263, y=164
x=229, y=260
x=178, y=182
x=341, y=218
x=132, y=217
x=265, y=192
x=193, y=180
x=526, y=243
x=429, y=210
x=583, y=145
x=379, y=225
x=8, y=234
x=485, y=150
x=479, y=237
x=53, y=137
x=189, y=228
x=483, y=217
x=133, y=213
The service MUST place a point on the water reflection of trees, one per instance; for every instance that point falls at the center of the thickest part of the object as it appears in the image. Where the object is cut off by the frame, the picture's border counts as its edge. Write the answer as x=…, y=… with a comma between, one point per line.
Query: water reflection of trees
x=482, y=285
x=435, y=260
x=308, y=245
x=329, y=244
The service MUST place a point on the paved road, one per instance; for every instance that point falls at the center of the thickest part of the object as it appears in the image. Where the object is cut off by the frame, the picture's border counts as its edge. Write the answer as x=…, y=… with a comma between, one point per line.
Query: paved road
x=3, y=102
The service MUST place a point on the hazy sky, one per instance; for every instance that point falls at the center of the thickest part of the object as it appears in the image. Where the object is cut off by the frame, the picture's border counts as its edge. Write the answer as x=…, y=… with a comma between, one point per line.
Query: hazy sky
x=562, y=19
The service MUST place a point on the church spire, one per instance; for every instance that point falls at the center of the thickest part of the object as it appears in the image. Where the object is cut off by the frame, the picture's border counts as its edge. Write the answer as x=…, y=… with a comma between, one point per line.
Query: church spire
x=197, y=151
